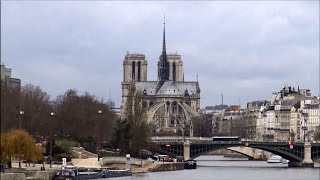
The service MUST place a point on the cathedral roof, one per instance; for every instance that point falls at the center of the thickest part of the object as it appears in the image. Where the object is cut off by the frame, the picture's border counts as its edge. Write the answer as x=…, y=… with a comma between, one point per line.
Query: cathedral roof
x=168, y=88
x=150, y=87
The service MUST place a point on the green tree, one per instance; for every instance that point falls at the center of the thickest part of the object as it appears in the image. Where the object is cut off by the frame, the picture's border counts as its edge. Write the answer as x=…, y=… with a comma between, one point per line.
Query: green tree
x=66, y=144
x=122, y=135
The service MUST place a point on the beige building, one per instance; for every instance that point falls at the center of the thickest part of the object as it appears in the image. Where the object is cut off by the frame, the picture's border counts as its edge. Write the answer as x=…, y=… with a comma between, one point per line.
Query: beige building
x=170, y=101
x=287, y=113
x=255, y=112
x=310, y=116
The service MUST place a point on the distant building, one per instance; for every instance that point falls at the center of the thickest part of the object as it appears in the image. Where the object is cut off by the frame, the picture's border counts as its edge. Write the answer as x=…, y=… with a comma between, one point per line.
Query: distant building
x=117, y=111
x=310, y=115
x=234, y=108
x=268, y=123
x=214, y=109
x=289, y=113
x=215, y=113
x=230, y=119
x=7, y=79
x=110, y=104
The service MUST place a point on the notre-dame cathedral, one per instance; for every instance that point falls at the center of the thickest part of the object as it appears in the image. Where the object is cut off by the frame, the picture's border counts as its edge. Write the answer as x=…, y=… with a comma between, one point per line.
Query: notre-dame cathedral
x=171, y=102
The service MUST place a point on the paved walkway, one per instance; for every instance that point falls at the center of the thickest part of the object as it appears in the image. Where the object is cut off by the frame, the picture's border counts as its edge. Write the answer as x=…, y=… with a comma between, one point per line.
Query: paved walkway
x=36, y=166
x=56, y=167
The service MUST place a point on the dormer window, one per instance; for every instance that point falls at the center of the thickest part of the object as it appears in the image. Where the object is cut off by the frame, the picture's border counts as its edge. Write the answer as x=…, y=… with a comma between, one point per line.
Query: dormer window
x=186, y=93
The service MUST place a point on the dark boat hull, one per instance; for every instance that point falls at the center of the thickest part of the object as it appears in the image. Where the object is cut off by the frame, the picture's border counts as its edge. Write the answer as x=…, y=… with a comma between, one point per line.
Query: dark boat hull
x=93, y=176
x=190, y=164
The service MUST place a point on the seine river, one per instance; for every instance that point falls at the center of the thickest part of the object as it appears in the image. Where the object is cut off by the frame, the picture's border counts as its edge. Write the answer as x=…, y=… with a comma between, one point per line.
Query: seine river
x=220, y=168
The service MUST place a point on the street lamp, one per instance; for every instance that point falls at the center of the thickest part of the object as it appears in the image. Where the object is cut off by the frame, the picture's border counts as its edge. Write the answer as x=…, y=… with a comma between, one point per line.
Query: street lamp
x=20, y=119
x=98, y=143
x=51, y=114
x=21, y=114
x=292, y=135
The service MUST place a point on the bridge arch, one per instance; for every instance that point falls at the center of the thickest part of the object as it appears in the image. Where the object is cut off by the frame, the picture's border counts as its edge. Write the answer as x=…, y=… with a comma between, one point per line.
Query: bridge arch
x=293, y=155
x=250, y=156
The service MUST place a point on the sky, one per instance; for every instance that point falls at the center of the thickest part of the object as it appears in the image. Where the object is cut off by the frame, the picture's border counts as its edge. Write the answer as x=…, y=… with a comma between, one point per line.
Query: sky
x=244, y=50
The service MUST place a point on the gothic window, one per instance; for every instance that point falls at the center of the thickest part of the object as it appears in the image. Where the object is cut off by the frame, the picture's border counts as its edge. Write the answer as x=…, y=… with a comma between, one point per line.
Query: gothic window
x=172, y=121
x=133, y=70
x=144, y=104
x=174, y=107
x=150, y=103
x=139, y=71
x=174, y=71
x=168, y=104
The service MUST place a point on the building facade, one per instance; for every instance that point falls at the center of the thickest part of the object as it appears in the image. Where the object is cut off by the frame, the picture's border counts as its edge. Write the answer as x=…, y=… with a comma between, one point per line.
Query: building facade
x=309, y=116
x=7, y=79
x=288, y=117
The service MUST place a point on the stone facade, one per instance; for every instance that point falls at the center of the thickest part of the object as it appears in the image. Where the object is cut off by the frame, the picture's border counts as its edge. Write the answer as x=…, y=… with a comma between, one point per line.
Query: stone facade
x=310, y=116
x=7, y=79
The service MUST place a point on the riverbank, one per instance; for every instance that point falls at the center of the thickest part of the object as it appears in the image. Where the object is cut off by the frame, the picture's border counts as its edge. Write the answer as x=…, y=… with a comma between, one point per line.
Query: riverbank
x=34, y=172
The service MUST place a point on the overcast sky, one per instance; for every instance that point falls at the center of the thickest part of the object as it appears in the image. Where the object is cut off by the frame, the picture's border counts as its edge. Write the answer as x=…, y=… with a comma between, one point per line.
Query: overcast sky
x=245, y=50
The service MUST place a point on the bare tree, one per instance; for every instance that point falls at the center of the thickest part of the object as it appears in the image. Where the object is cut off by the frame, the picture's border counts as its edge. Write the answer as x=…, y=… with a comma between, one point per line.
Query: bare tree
x=202, y=126
x=132, y=133
x=36, y=106
x=83, y=116
x=10, y=107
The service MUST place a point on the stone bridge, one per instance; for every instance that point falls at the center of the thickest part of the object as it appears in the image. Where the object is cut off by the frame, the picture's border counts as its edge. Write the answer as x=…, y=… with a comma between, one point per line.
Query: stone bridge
x=300, y=154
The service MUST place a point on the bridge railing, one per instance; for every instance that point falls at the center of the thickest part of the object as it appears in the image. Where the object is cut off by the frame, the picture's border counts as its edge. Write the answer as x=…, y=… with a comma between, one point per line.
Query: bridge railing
x=208, y=140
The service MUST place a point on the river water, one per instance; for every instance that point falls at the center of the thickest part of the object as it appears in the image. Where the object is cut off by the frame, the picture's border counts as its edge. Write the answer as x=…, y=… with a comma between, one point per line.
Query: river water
x=221, y=168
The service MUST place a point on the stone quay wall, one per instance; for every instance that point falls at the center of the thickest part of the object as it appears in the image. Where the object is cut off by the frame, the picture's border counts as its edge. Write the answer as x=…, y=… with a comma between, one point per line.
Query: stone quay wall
x=43, y=175
x=168, y=167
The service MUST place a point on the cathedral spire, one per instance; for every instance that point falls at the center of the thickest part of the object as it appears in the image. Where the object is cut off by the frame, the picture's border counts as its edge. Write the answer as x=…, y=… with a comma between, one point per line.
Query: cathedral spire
x=164, y=65
x=164, y=51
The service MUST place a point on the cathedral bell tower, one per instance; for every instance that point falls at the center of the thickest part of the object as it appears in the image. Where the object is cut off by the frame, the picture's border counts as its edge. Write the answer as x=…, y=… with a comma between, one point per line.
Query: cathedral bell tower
x=134, y=70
